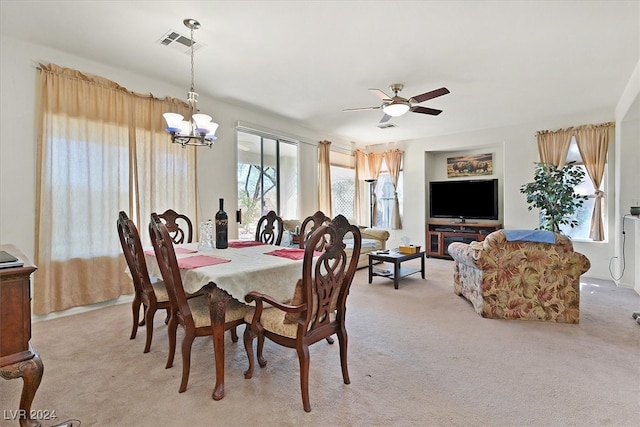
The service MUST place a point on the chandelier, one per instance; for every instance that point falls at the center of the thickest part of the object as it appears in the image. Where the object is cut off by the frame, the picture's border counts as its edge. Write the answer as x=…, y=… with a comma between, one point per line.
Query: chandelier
x=199, y=130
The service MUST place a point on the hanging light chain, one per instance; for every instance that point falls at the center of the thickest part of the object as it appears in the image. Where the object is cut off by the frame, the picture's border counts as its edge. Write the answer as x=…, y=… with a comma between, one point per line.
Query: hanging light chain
x=192, y=96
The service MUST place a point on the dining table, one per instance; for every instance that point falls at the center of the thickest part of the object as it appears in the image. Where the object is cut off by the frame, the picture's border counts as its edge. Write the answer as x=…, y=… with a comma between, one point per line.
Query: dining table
x=223, y=274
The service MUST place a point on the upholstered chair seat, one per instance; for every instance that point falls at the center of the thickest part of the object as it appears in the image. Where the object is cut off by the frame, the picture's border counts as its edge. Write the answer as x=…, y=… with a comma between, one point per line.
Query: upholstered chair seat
x=160, y=290
x=200, y=311
x=273, y=320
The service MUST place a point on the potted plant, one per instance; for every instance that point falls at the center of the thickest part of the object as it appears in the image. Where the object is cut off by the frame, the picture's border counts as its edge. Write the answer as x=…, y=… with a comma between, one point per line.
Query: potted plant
x=553, y=192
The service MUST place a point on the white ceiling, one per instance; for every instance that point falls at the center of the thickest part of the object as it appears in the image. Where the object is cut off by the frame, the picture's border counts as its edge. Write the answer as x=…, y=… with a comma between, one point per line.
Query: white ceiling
x=505, y=62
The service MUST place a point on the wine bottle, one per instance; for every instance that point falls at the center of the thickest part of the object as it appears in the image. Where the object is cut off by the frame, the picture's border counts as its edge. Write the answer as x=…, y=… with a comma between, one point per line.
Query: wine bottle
x=222, y=227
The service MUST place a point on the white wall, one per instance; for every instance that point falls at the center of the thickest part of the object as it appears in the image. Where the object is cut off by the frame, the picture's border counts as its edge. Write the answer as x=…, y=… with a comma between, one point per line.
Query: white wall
x=627, y=191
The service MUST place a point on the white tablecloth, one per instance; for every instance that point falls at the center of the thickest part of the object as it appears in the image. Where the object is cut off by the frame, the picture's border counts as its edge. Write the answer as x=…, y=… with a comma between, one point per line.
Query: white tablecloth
x=250, y=269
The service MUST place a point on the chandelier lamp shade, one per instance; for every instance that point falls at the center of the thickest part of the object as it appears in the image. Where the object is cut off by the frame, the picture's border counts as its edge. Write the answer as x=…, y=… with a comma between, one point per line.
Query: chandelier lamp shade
x=199, y=130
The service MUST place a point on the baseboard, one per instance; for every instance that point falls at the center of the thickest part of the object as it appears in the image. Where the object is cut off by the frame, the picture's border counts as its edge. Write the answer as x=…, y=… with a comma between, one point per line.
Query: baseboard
x=81, y=309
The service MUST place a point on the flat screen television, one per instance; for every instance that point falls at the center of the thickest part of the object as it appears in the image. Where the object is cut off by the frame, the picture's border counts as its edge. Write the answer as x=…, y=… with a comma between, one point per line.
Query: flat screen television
x=464, y=199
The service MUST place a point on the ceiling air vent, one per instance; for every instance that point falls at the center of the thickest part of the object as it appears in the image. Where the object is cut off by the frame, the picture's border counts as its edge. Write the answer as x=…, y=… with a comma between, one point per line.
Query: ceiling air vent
x=176, y=40
x=387, y=125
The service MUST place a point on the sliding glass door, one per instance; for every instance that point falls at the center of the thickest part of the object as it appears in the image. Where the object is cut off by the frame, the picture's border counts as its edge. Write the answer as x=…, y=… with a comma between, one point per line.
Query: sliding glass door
x=267, y=178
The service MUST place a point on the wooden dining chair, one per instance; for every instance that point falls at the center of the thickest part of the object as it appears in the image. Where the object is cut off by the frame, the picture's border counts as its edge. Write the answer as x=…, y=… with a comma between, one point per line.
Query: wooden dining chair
x=317, y=308
x=151, y=295
x=309, y=225
x=179, y=226
x=270, y=229
x=192, y=314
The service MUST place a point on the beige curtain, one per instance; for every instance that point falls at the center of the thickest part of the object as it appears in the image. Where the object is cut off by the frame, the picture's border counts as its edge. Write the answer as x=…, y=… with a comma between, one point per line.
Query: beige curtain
x=393, y=158
x=593, y=143
x=101, y=149
x=360, y=176
x=554, y=146
x=164, y=174
x=374, y=161
x=324, y=178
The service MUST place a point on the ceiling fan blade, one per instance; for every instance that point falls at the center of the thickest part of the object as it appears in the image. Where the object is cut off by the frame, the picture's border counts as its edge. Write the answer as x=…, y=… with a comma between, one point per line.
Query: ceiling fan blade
x=361, y=109
x=385, y=118
x=429, y=95
x=425, y=110
x=380, y=94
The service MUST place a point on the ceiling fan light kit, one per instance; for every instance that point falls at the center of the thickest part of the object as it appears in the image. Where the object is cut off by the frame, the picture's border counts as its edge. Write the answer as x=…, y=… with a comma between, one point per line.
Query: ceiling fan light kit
x=397, y=106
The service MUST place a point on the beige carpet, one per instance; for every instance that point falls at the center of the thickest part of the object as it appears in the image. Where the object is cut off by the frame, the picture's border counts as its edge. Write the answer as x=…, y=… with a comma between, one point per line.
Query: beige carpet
x=418, y=356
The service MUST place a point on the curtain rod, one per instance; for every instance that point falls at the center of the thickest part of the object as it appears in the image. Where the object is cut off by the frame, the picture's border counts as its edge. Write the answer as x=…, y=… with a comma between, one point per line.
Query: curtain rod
x=573, y=128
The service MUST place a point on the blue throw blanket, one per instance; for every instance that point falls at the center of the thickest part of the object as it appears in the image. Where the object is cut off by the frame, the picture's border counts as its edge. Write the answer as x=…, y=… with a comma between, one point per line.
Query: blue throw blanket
x=542, y=236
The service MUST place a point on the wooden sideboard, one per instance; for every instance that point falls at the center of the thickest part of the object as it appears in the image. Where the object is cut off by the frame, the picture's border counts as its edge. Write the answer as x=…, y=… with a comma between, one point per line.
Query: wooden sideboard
x=17, y=358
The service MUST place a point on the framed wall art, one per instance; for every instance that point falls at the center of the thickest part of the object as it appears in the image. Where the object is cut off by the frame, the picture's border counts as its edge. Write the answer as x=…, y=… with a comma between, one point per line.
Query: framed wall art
x=473, y=165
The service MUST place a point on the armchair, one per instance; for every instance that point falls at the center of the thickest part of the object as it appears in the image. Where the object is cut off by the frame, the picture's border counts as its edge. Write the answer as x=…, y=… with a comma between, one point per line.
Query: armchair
x=520, y=279
x=317, y=308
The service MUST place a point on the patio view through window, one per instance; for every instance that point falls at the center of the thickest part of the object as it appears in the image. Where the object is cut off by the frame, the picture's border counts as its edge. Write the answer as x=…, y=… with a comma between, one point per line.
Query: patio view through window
x=267, y=178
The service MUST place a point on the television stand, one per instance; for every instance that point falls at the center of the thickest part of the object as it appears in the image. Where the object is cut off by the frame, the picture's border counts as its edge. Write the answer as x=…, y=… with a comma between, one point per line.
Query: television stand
x=462, y=220
x=440, y=234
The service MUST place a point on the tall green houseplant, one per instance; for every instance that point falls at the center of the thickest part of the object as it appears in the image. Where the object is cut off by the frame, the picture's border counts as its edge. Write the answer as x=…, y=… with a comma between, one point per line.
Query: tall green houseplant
x=553, y=192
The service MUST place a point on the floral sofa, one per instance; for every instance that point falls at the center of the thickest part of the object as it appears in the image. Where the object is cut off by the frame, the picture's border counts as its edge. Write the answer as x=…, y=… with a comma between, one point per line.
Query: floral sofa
x=517, y=278
x=373, y=239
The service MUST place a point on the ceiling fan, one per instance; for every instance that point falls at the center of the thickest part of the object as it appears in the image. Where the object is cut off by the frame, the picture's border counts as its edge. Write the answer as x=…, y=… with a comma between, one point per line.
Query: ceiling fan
x=394, y=106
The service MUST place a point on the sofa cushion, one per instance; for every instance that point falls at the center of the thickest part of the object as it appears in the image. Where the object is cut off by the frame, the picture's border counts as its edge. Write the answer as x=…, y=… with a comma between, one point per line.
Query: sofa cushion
x=365, y=243
x=291, y=224
x=375, y=233
x=372, y=239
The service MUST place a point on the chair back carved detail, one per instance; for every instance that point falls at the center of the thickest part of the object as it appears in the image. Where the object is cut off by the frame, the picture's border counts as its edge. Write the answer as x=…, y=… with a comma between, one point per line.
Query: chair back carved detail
x=178, y=225
x=309, y=225
x=270, y=229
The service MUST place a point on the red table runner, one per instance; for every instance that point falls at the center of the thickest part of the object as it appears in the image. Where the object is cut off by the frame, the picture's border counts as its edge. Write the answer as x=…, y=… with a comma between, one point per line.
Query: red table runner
x=244, y=243
x=291, y=253
x=200, y=261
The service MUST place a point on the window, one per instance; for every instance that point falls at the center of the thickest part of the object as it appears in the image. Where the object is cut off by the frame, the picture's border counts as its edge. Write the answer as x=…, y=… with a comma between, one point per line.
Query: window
x=267, y=178
x=384, y=192
x=343, y=191
x=583, y=215
x=102, y=150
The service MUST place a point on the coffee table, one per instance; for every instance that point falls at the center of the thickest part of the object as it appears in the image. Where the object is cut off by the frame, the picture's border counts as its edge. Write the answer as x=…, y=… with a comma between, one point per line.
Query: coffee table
x=396, y=258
